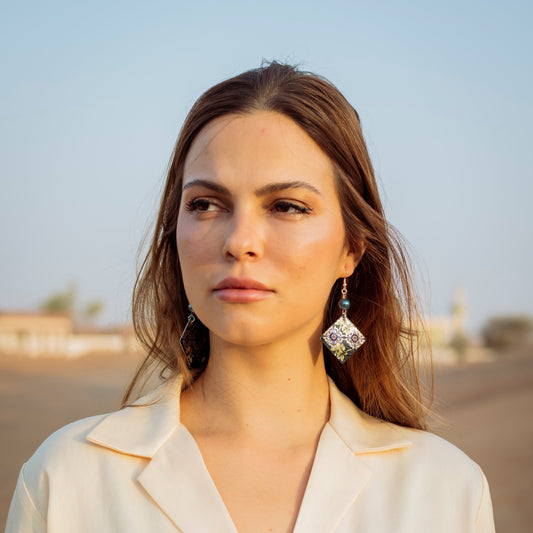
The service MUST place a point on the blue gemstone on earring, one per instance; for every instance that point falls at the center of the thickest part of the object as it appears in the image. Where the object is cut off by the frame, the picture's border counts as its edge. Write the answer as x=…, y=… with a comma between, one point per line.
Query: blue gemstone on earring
x=189, y=307
x=344, y=303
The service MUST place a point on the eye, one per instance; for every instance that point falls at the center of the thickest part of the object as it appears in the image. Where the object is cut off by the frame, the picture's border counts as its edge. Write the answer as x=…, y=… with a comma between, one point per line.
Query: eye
x=202, y=205
x=290, y=208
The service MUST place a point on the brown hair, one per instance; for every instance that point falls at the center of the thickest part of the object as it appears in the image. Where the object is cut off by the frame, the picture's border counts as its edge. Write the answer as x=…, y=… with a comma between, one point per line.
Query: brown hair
x=382, y=377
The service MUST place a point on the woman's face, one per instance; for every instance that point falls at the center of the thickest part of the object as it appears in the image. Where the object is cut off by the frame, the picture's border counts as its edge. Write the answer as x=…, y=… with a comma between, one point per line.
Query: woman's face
x=260, y=234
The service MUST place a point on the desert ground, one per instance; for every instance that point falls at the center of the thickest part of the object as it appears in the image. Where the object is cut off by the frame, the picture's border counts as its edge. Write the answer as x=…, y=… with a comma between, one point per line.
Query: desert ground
x=486, y=408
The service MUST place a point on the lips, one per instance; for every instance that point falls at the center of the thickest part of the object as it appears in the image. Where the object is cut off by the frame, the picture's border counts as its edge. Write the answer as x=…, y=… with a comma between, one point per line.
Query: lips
x=241, y=283
x=241, y=290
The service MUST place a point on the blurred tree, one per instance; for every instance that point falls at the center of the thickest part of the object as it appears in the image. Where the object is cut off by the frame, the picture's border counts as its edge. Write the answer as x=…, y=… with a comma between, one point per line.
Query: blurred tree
x=459, y=344
x=508, y=331
x=65, y=302
x=93, y=309
x=61, y=302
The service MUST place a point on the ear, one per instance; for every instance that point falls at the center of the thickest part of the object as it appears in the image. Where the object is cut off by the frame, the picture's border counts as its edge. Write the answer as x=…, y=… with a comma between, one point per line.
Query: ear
x=350, y=259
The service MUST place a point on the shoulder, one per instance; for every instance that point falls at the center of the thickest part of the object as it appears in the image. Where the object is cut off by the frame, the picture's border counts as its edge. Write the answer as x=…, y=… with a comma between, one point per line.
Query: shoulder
x=431, y=455
x=103, y=441
x=130, y=430
x=429, y=446
x=408, y=457
x=428, y=455
x=61, y=455
x=430, y=465
x=447, y=475
x=63, y=445
x=90, y=460
x=370, y=436
x=407, y=466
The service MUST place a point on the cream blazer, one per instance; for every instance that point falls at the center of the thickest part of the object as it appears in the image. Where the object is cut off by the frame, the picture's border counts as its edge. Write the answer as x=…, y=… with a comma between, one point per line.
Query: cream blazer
x=140, y=470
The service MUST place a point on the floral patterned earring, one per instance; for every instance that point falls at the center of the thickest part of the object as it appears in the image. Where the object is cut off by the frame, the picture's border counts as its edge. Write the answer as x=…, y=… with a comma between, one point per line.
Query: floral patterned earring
x=343, y=338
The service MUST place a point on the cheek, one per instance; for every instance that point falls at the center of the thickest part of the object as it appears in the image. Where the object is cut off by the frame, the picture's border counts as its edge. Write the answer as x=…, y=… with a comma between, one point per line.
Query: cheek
x=194, y=250
x=194, y=242
x=317, y=247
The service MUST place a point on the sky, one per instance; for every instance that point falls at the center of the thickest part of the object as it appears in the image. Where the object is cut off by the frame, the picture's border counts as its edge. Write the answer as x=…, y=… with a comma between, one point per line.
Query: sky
x=93, y=94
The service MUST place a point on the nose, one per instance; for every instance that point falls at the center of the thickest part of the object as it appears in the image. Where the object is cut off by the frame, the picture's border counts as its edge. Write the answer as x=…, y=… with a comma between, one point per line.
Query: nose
x=244, y=240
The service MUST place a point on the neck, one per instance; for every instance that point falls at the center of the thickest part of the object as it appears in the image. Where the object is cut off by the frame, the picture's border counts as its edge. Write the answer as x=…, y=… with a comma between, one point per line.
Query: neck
x=266, y=393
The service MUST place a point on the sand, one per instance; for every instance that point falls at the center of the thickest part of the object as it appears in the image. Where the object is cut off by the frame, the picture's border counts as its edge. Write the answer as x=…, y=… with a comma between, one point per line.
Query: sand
x=488, y=408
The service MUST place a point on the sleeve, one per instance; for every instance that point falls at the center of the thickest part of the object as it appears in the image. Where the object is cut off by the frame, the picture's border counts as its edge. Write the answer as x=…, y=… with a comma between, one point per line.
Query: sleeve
x=24, y=517
x=485, y=517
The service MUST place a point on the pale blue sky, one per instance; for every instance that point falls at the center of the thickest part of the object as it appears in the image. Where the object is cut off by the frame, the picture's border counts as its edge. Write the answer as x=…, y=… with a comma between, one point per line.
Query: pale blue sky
x=93, y=95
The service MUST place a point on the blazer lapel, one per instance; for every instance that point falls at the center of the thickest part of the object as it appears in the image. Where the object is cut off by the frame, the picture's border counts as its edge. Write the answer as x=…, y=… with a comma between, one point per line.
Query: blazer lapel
x=179, y=483
x=176, y=477
x=337, y=477
x=363, y=433
x=339, y=474
x=144, y=427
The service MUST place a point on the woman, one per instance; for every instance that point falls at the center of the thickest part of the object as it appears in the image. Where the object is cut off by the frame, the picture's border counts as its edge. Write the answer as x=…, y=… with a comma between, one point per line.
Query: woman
x=271, y=255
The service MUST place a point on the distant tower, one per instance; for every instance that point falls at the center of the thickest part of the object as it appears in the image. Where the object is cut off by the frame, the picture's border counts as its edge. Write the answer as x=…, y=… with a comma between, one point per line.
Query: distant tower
x=459, y=310
x=459, y=341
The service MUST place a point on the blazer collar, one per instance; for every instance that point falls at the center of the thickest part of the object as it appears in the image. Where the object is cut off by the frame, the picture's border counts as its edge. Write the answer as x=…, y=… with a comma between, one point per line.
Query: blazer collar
x=144, y=427
x=361, y=432
x=177, y=479
x=338, y=470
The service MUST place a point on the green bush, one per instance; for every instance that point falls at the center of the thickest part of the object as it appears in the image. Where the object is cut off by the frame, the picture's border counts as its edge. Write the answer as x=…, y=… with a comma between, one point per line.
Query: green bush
x=508, y=331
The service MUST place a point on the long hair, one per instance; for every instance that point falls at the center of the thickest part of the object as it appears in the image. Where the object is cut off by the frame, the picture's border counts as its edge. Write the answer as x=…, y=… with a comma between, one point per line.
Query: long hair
x=382, y=377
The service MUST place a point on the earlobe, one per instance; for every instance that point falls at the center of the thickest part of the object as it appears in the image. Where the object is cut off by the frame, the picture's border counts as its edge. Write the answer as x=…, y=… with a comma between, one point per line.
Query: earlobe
x=351, y=260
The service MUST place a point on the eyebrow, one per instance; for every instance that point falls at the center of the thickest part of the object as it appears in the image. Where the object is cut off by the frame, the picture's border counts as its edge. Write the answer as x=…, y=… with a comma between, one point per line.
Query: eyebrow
x=262, y=191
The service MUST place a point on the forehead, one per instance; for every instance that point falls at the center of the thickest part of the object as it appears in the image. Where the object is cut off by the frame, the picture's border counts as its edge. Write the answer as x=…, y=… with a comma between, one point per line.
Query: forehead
x=261, y=143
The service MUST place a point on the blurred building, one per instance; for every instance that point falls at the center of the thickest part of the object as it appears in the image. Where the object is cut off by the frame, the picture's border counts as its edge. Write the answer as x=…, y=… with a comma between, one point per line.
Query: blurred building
x=42, y=334
x=449, y=336
x=445, y=330
x=55, y=335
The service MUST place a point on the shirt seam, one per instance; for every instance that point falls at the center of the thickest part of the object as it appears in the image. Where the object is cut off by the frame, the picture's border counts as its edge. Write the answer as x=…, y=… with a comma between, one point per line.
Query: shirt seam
x=482, y=494
x=377, y=449
x=29, y=496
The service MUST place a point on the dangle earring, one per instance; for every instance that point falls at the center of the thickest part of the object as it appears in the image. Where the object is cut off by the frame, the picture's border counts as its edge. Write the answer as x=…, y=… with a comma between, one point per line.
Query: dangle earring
x=343, y=338
x=194, y=341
